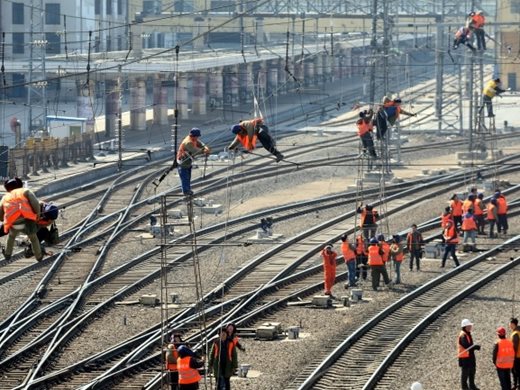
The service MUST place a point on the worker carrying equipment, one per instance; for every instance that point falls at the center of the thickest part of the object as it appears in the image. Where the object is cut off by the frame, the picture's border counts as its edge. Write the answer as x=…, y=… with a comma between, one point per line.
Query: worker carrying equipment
x=249, y=131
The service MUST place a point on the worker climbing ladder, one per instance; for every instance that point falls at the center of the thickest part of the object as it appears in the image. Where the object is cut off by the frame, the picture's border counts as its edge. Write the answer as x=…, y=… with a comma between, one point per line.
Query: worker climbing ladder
x=183, y=293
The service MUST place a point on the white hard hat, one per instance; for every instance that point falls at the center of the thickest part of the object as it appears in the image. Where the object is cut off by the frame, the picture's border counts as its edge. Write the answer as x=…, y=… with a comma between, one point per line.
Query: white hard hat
x=416, y=386
x=465, y=322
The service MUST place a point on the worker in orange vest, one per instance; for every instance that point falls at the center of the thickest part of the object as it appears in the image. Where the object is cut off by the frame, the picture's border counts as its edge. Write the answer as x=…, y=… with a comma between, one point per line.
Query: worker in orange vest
x=365, y=127
x=368, y=220
x=376, y=263
x=20, y=210
x=232, y=335
x=515, y=338
x=469, y=227
x=492, y=216
x=466, y=354
x=190, y=147
x=502, y=224
x=188, y=367
x=478, y=212
x=503, y=358
x=361, y=258
x=170, y=360
x=329, y=267
x=223, y=360
x=414, y=243
x=348, y=251
x=385, y=246
x=475, y=22
x=451, y=239
x=456, y=210
x=468, y=203
x=446, y=216
x=397, y=255
x=248, y=132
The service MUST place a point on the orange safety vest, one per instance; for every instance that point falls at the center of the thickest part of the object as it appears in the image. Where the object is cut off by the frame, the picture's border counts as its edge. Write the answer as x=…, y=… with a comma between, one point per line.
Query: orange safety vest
x=501, y=205
x=399, y=256
x=469, y=224
x=445, y=218
x=246, y=142
x=518, y=334
x=386, y=251
x=467, y=204
x=479, y=210
x=364, y=214
x=181, y=153
x=172, y=366
x=374, y=258
x=187, y=375
x=364, y=127
x=360, y=246
x=329, y=260
x=462, y=352
x=505, y=354
x=478, y=20
x=490, y=214
x=456, y=208
x=451, y=232
x=16, y=205
x=348, y=254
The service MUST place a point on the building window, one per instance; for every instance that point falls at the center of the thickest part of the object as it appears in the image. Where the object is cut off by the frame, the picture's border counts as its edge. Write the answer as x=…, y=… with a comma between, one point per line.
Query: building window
x=52, y=13
x=97, y=7
x=515, y=7
x=18, y=13
x=109, y=7
x=109, y=43
x=18, y=43
x=120, y=7
x=53, y=43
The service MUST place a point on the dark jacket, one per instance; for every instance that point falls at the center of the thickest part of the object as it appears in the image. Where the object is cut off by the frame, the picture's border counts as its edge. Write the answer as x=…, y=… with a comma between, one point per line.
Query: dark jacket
x=463, y=341
x=220, y=360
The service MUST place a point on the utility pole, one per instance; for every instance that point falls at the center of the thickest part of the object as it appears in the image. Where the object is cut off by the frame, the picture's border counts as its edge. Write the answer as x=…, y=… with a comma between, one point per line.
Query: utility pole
x=373, y=46
x=439, y=67
x=44, y=75
x=472, y=100
x=31, y=53
x=386, y=44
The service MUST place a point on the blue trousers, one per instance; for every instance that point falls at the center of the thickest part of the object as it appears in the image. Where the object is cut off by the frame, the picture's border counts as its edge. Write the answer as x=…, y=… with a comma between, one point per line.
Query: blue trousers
x=185, y=176
x=351, y=268
x=397, y=266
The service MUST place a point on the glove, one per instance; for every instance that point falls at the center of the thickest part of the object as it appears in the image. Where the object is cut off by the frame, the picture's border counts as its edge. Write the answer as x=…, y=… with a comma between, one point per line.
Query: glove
x=476, y=347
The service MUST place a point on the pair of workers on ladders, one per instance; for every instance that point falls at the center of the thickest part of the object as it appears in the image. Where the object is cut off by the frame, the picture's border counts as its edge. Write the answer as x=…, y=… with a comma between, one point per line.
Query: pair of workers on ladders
x=247, y=132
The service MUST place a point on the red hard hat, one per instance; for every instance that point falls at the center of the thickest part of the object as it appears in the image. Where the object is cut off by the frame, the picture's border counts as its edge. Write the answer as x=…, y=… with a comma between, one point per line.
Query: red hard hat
x=501, y=331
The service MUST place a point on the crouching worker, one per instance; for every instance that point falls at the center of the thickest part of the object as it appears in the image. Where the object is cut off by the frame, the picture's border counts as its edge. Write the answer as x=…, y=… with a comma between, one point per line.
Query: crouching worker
x=248, y=132
x=19, y=211
x=47, y=230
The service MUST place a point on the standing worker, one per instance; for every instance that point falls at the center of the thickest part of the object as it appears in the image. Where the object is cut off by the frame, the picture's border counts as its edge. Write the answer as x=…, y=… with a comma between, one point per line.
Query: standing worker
x=349, y=256
x=491, y=89
x=478, y=212
x=189, y=148
x=329, y=268
x=503, y=358
x=223, y=360
x=466, y=355
x=188, y=366
x=397, y=254
x=365, y=128
x=446, y=216
x=451, y=240
x=361, y=258
x=248, y=132
x=19, y=209
x=492, y=216
x=368, y=220
x=502, y=224
x=469, y=227
x=515, y=338
x=456, y=210
x=414, y=242
x=376, y=263
x=170, y=359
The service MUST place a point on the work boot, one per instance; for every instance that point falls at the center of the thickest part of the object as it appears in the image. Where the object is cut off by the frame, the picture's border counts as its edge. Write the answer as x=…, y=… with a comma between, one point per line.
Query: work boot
x=279, y=156
x=6, y=257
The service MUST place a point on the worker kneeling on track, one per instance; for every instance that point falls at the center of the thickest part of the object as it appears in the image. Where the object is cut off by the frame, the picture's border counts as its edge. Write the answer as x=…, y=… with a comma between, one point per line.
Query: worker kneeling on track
x=19, y=211
x=47, y=233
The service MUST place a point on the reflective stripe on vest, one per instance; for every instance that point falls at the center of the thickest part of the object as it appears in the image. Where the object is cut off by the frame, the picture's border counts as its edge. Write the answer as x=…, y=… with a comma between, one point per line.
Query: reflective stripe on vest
x=462, y=352
x=469, y=224
x=364, y=127
x=187, y=375
x=490, y=214
x=231, y=345
x=348, y=254
x=16, y=205
x=505, y=354
x=374, y=258
x=246, y=143
x=518, y=335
